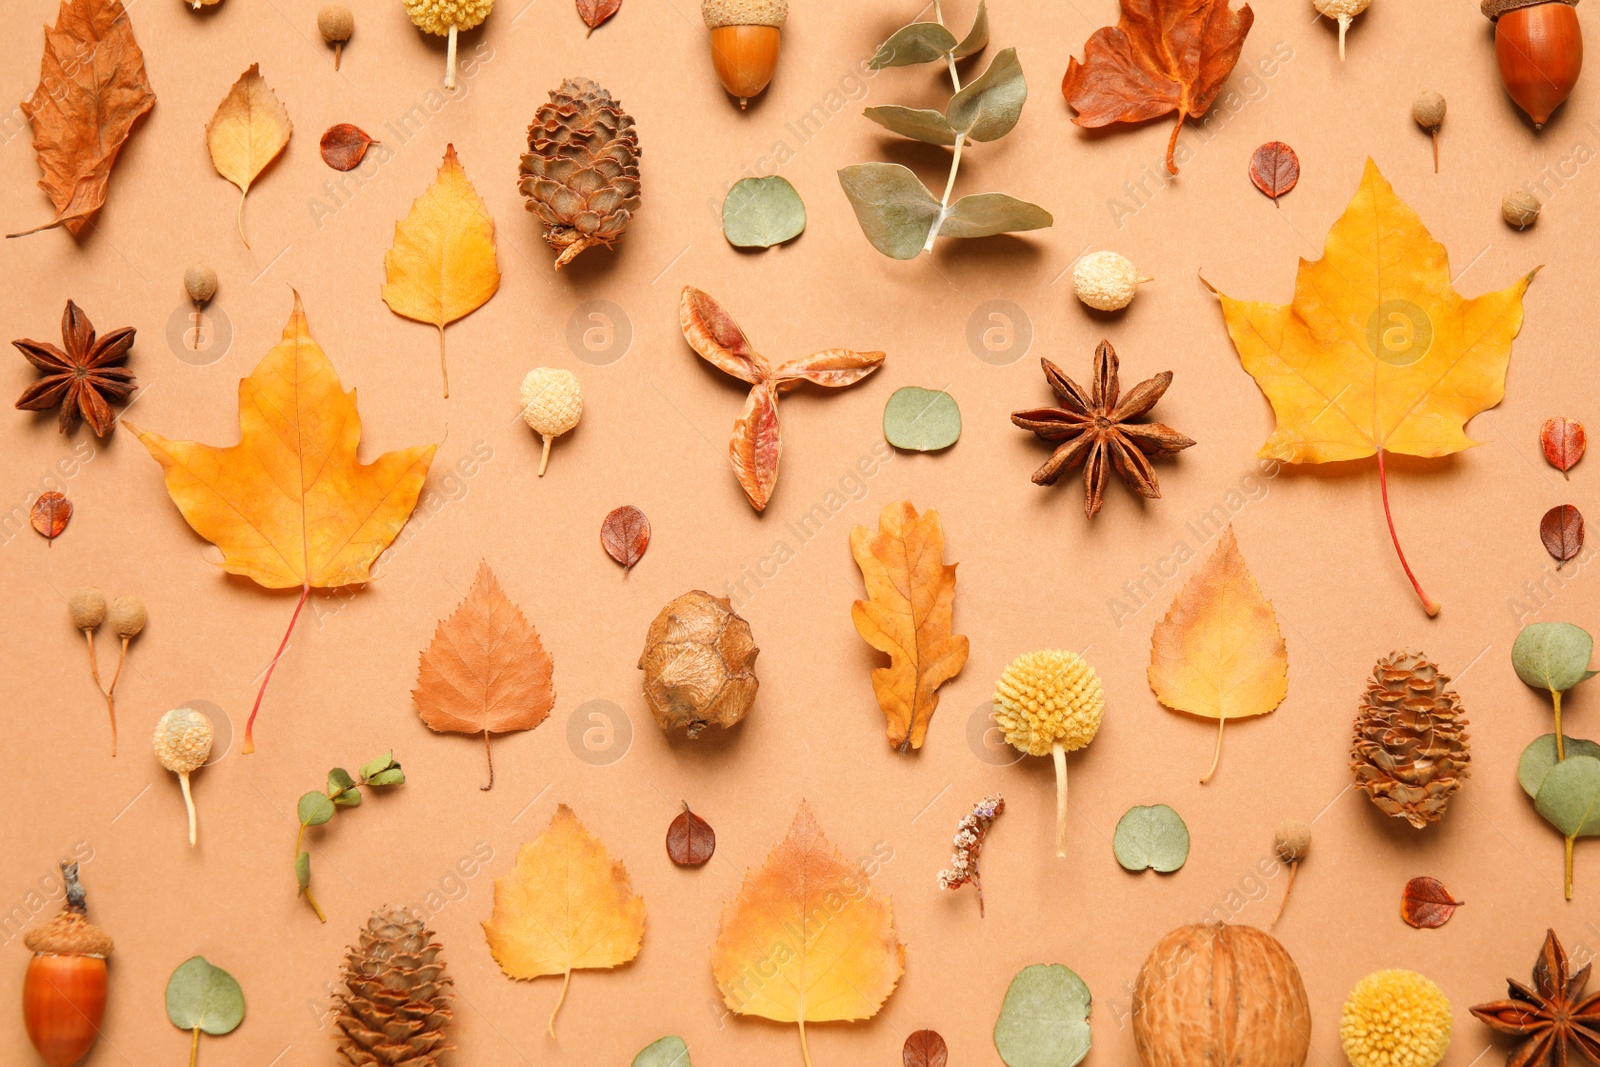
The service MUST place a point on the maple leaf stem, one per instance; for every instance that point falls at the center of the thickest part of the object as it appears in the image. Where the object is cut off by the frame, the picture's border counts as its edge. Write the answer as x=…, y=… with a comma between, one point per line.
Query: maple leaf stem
x=566, y=980
x=1430, y=605
x=1172, y=142
x=1216, y=754
x=1295, y=866
x=250, y=725
x=488, y=754
x=1059, y=755
x=805, y=1050
x=1561, y=749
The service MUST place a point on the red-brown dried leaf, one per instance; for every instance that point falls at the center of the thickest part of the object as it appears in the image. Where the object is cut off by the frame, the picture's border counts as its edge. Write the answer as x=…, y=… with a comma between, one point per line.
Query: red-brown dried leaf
x=925, y=1048
x=625, y=535
x=1161, y=56
x=50, y=514
x=1564, y=440
x=690, y=840
x=1561, y=530
x=1426, y=904
x=1275, y=169
x=344, y=146
x=594, y=12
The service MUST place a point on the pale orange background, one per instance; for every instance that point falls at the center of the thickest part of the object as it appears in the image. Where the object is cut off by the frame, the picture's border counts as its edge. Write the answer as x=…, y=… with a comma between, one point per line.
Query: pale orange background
x=1033, y=571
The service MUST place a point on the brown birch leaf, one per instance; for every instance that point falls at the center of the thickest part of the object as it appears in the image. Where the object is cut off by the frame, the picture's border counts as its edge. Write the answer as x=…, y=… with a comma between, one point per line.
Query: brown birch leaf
x=625, y=535
x=691, y=841
x=1563, y=440
x=50, y=514
x=1426, y=904
x=1561, y=530
x=344, y=146
x=1275, y=169
x=925, y=1048
x=247, y=132
x=594, y=12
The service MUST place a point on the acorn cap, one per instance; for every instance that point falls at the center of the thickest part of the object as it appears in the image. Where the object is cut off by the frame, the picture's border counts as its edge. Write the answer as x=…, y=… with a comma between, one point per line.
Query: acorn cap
x=720, y=13
x=1493, y=9
x=70, y=933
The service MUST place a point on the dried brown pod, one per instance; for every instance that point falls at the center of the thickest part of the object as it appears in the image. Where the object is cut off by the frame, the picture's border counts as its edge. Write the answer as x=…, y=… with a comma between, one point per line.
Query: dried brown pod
x=1520, y=209
x=1291, y=843
x=699, y=664
x=581, y=172
x=1411, y=748
x=1428, y=110
x=336, y=23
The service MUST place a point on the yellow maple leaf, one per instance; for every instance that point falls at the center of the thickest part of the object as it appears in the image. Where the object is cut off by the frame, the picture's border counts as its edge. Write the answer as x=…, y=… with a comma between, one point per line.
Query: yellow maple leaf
x=911, y=592
x=442, y=265
x=807, y=939
x=290, y=505
x=1378, y=352
x=1219, y=653
x=565, y=905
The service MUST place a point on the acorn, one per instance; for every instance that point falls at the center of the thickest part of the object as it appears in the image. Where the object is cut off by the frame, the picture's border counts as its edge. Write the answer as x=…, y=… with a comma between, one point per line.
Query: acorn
x=64, y=990
x=744, y=42
x=1539, y=47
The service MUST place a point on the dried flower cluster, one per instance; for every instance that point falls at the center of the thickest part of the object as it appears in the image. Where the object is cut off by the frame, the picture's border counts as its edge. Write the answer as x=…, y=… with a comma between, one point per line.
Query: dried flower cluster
x=970, y=832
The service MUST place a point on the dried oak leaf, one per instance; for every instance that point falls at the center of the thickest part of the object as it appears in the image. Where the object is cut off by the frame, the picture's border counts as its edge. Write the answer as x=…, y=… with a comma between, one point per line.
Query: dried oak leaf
x=50, y=514
x=1275, y=169
x=1378, y=352
x=485, y=671
x=1426, y=904
x=625, y=534
x=911, y=594
x=344, y=146
x=247, y=132
x=79, y=377
x=594, y=12
x=691, y=841
x=925, y=1048
x=1553, y=1021
x=290, y=505
x=92, y=89
x=809, y=915
x=1563, y=440
x=1561, y=530
x=1161, y=56
x=566, y=905
x=755, y=446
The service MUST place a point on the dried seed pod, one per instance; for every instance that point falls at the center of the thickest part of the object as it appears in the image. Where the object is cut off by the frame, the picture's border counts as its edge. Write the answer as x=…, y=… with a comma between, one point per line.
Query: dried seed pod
x=552, y=404
x=1344, y=11
x=1291, y=843
x=88, y=608
x=336, y=23
x=127, y=616
x=699, y=664
x=448, y=18
x=1427, y=109
x=200, y=282
x=1520, y=209
x=1538, y=46
x=64, y=990
x=183, y=744
x=744, y=43
x=1106, y=281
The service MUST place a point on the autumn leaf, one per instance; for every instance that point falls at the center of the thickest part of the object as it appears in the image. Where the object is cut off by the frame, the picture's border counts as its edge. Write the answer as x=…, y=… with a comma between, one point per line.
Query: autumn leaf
x=1426, y=904
x=1219, y=653
x=1161, y=56
x=594, y=12
x=911, y=592
x=290, y=505
x=485, y=670
x=625, y=534
x=1561, y=530
x=565, y=906
x=442, y=265
x=807, y=940
x=1378, y=352
x=344, y=146
x=1275, y=170
x=50, y=513
x=92, y=89
x=247, y=132
x=1563, y=440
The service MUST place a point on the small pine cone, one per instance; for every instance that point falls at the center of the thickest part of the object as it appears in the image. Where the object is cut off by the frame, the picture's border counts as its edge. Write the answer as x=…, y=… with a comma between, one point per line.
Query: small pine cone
x=581, y=172
x=1411, y=749
x=395, y=1011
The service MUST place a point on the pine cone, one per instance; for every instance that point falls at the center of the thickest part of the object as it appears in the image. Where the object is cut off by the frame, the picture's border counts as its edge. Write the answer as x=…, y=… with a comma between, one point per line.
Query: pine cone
x=396, y=1007
x=1410, y=751
x=581, y=172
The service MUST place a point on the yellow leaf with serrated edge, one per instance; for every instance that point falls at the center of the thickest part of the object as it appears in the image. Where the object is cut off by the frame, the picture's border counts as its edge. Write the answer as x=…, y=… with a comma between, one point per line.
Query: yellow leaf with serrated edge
x=911, y=594
x=442, y=265
x=1219, y=653
x=807, y=939
x=566, y=905
x=247, y=132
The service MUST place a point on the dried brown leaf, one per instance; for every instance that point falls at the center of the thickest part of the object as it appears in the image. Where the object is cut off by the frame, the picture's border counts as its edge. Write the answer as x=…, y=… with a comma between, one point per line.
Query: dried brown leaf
x=344, y=146
x=1564, y=440
x=594, y=12
x=1275, y=169
x=1561, y=530
x=1426, y=904
x=690, y=840
x=625, y=535
x=50, y=514
x=925, y=1048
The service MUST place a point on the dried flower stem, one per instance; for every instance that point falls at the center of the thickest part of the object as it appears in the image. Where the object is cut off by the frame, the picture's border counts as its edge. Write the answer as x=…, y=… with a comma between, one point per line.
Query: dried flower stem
x=968, y=840
x=1059, y=754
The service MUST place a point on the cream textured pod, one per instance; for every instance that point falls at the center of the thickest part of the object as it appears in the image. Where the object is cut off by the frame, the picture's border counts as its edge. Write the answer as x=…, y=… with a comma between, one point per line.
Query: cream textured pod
x=183, y=744
x=1106, y=281
x=1050, y=702
x=1344, y=11
x=552, y=403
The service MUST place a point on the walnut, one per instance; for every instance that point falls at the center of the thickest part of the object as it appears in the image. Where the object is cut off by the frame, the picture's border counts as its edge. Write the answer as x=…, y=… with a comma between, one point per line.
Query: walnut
x=699, y=664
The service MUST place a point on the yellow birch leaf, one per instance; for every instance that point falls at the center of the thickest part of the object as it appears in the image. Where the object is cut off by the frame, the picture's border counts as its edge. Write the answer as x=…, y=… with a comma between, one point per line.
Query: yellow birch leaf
x=911, y=592
x=442, y=265
x=290, y=506
x=1378, y=352
x=248, y=131
x=807, y=939
x=1219, y=653
x=564, y=906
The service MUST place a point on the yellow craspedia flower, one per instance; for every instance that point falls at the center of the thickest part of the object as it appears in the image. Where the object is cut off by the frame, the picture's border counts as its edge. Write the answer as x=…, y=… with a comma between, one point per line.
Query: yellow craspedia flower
x=441, y=16
x=1049, y=698
x=1395, y=1019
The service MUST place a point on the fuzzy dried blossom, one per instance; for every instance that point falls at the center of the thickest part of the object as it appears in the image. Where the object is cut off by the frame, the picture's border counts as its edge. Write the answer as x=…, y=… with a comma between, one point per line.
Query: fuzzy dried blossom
x=968, y=842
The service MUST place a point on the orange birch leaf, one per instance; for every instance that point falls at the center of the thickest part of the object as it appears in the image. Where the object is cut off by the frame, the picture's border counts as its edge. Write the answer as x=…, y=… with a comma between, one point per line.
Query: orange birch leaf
x=807, y=940
x=485, y=670
x=911, y=594
x=247, y=132
x=50, y=514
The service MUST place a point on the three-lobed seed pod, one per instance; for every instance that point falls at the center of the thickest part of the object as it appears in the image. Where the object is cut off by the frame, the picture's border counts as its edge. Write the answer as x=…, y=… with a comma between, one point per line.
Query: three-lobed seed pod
x=744, y=42
x=1539, y=47
x=64, y=990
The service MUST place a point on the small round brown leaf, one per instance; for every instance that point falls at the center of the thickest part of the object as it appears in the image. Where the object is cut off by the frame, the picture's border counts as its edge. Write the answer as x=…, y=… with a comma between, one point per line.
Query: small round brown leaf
x=690, y=840
x=1561, y=530
x=1563, y=440
x=1275, y=169
x=625, y=535
x=925, y=1048
x=1426, y=904
x=344, y=145
x=50, y=514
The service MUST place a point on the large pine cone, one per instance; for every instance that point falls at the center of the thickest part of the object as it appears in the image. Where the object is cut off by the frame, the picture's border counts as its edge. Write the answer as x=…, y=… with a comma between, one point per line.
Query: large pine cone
x=396, y=1008
x=581, y=172
x=1411, y=747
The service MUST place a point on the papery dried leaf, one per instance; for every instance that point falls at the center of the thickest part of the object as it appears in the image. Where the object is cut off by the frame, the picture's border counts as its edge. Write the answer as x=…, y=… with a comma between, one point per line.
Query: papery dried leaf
x=1563, y=440
x=712, y=333
x=1426, y=904
x=344, y=146
x=690, y=840
x=1161, y=56
x=625, y=535
x=485, y=671
x=925, y=1048
x=755, y=447
x=92, y=89
x=50, y=514
x=594, y=12
x=1561, y=530
x=247, y=132
x=1275, y=169
x=832, y=368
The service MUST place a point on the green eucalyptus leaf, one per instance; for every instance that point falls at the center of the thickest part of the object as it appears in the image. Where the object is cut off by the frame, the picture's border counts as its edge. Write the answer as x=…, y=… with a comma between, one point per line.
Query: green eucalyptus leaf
x=664, y=1052
x=314, y=808
x=987, y=108
x=393, y=776
x=977, y=38
x=1153, y=837
x=921, y=420
x=917, y=123
x=1552, y=655
x=762, y=212
x=203, y=997
x=1569, y=796
x=338, y=779
x=894, y=208
x=377, y=766
x=302, y=870
x=1044, y=1021
x=1540, y=756
x=986, y=214
x=350, y=798
x=920, y=42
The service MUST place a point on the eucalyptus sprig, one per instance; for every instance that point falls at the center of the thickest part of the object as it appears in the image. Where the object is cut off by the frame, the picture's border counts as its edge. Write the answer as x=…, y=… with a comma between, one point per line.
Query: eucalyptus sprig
x=1553, y=656
x=898, y=214
x=317, y=807
x=1560, y=773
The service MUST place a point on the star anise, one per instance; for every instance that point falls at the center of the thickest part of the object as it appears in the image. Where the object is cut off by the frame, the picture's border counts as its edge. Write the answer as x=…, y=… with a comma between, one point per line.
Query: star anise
x=80, y=380
x=1554, y=1020
x=1096, y=431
